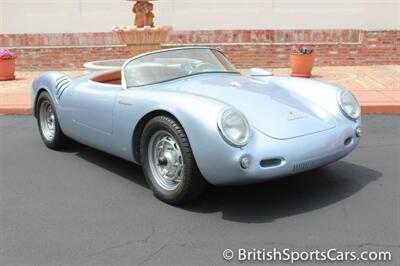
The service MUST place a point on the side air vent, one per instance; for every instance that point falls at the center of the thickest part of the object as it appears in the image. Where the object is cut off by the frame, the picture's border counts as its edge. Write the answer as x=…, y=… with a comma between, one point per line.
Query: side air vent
x=62, y=84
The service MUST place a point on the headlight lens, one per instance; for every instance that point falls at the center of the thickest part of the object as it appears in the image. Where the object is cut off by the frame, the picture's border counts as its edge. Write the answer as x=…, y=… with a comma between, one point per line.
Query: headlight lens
x=234, y=127
x=349, y=104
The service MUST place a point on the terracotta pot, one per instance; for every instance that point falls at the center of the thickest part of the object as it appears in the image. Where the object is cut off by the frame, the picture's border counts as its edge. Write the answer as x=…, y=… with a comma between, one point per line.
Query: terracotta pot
x=7, y=69
x=302, y=65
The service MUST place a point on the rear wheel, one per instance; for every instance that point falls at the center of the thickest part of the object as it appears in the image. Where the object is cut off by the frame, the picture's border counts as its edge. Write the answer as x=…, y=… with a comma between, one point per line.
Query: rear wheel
x=48, y=125
x=168, y=163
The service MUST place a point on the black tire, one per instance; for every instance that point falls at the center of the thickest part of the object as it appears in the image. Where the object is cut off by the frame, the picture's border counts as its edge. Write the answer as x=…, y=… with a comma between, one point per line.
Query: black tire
x=191, y=183
x=59, y=140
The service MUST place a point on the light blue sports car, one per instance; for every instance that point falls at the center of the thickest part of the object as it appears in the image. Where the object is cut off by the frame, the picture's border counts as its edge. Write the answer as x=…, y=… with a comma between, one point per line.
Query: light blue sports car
x=190, y=118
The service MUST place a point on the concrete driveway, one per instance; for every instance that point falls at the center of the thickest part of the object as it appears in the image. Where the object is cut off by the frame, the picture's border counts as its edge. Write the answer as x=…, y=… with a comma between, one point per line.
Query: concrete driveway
x=81, y=206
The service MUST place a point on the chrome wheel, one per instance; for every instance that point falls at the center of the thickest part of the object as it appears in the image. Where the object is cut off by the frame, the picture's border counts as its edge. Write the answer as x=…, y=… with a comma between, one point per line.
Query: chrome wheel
x=47, y=120
x=165, y=160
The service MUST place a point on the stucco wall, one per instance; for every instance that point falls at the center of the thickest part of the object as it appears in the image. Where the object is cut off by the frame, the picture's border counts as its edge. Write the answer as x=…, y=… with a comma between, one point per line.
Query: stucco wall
x=51, y=16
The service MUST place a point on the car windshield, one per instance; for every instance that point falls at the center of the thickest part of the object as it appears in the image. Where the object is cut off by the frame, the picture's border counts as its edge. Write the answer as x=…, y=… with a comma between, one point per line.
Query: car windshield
x=172, y=64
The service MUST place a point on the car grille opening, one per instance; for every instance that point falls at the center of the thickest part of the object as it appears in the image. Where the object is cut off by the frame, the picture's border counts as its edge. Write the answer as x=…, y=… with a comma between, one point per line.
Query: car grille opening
x=316, y=162
x=348, y=141
x=271, y=162
x=305, y=165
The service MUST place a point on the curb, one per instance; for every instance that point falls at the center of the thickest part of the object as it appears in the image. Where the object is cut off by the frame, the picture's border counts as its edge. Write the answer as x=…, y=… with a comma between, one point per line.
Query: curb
x=381, y=109
x=15, y=111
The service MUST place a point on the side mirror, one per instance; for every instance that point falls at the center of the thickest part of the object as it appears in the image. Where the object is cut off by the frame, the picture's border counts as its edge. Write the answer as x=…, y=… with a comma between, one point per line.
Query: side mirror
x=259, y=72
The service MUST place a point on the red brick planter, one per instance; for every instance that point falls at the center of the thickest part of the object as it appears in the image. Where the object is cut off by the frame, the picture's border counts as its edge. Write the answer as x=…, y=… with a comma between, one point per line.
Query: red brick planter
x=7, y=69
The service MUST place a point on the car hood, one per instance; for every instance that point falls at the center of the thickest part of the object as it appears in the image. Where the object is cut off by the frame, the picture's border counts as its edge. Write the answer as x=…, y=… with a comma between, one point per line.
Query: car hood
x=269, y=107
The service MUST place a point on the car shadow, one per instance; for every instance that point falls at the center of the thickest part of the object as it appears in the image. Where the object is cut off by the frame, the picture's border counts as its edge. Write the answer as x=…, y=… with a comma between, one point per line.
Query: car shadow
x=118, y=166
x=257, y=203
x=301, y=193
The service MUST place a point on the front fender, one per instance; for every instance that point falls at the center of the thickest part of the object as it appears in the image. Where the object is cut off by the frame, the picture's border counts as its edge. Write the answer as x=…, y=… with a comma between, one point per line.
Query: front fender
x=197, y=115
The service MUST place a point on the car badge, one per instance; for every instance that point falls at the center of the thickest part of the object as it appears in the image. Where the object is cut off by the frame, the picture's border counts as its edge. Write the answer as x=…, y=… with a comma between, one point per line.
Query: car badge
x=295, y=116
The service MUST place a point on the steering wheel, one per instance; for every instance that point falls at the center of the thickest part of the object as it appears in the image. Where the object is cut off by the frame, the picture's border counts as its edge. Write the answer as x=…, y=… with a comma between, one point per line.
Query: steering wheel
x=188, y=67
x=204, y=66
x=191, y=68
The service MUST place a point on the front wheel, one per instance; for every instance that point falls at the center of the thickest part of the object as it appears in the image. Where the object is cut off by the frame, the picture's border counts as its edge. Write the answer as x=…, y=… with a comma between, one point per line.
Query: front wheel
x=48, y=125
x=168, y=163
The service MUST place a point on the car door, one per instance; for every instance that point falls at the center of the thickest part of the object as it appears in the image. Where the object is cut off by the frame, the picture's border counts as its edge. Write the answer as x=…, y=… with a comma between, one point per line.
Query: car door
x=89, y=109
x=94, y=106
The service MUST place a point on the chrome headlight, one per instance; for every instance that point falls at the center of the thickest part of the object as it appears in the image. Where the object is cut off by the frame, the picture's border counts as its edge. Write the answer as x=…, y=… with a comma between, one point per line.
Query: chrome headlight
x=349, y=104
x=234, y=127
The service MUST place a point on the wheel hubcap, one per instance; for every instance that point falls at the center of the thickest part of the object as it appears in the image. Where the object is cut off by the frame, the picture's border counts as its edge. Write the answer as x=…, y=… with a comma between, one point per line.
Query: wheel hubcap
x=47, y=120
x=165, y=159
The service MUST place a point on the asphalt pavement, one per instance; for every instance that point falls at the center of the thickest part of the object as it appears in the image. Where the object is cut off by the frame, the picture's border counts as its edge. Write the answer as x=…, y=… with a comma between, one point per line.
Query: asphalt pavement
x=82, y=206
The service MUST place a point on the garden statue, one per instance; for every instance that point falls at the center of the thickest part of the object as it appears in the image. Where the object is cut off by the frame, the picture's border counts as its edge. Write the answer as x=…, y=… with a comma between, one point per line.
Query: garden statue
x=144, y=16
x=143, y=36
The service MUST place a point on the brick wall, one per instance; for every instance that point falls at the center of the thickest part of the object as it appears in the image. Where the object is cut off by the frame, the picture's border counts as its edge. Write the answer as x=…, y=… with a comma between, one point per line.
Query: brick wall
x=245, y=48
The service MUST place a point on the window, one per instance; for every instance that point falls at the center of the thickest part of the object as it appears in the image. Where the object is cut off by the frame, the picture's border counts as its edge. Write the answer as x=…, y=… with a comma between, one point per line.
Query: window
x=172, y=64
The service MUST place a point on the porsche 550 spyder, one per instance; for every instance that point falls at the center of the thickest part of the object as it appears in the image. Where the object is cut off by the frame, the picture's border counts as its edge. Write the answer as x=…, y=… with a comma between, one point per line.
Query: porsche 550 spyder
x=190, y=118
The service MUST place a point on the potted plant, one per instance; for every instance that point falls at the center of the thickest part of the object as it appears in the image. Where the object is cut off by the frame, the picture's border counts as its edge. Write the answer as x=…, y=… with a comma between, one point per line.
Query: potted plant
x=302, y=60
x=7, y=64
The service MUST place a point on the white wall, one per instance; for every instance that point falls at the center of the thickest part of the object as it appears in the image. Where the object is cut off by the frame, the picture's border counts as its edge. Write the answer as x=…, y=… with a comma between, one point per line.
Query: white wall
x=45, y=16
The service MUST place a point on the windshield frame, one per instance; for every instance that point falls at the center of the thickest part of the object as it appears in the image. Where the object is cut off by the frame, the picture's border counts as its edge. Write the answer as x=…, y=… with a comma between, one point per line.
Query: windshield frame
x=123, y=80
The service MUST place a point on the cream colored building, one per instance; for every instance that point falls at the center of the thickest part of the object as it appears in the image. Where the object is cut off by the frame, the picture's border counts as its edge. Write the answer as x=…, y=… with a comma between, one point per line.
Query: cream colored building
x=48, y=16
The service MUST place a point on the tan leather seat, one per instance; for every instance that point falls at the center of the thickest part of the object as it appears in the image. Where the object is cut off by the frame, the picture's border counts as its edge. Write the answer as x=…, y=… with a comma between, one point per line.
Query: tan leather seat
x=112, y=77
